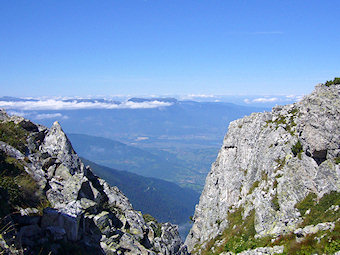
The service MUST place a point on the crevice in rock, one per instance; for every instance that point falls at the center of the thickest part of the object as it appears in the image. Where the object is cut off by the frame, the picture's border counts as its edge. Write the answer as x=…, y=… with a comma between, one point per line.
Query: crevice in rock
x=145, y=241
x=229, y=147
x=319, y=156
x=85, y=191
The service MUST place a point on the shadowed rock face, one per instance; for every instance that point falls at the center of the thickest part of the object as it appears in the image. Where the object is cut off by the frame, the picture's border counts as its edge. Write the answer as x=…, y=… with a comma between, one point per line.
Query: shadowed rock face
x=268, y=163
x=83, y=209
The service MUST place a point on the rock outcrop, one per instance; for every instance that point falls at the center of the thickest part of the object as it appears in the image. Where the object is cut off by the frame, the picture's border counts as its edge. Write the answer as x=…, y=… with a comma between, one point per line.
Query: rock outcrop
x=77, y=209
x=270, y=167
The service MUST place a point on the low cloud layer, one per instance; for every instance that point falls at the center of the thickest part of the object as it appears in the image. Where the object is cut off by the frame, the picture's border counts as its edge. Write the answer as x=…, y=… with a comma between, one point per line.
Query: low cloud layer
x=265, y=100
x=39, y=116
x=53, y=104
x=279, y=99
x=50, y=116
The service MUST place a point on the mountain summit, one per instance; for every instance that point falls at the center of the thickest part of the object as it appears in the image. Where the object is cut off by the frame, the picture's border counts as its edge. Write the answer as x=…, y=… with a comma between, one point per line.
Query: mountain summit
x=51, y=203
x=274, y=186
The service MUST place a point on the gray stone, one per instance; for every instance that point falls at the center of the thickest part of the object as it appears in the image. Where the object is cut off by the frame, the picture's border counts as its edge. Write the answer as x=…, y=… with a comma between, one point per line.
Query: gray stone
x=256, y=166
x=57, y=233
x=84, y=208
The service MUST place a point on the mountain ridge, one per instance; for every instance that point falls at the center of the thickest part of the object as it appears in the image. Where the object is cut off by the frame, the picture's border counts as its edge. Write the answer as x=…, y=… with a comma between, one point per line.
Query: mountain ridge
x=51, y=203
x=275, y=183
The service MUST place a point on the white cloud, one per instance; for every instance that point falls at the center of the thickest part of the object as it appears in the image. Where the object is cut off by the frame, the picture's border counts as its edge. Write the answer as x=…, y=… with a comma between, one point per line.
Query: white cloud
x=55, y=104
x=50, y=116
x=265, y=100
x=261, y=100
x=197, y=96
x=273, y=99
x=16, y=113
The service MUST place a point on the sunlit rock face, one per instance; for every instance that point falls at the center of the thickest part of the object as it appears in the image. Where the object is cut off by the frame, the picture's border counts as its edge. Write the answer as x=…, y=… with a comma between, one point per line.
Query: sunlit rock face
x=268, y=163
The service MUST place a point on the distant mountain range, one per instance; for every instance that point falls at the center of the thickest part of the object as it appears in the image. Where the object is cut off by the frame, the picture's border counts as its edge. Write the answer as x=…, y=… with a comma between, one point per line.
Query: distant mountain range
x=177, y=140
x=137, y=120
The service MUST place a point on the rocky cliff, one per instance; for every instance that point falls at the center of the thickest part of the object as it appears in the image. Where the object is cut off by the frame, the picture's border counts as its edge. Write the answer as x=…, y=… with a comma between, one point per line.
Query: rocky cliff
x=52, y=204
x=275, y=183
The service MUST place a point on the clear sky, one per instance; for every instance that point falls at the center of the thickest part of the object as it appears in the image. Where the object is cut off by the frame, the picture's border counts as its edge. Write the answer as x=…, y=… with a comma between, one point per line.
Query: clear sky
x=79, y=48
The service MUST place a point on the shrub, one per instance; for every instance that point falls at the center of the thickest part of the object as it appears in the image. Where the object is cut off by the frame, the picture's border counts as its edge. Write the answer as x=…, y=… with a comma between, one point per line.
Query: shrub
x=297, y=149
x=333, y=82
x=147, y=218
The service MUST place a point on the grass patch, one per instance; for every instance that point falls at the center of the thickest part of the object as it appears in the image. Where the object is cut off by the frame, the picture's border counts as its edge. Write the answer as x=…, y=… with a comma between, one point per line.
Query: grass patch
x=239, y=235
x=254, y=186
x=282, y=120
x=275, y=203
x=156, y=227
x=337, y=160
x=14, y=135
x=297, y=149
x=17, y=188
x=323, y=242
x=321, y=212
x=308, y=202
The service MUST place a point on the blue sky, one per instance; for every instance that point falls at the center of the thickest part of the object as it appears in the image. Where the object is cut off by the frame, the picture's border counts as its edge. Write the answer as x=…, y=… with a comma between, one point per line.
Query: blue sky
x=79, y=48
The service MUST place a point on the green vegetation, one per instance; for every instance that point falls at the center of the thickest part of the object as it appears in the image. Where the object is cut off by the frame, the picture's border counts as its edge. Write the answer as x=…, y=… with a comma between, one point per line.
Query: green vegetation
x=297, y=149
x=239, y=235
x=275, y=203
x=147, y=218
x=17, y=188
x=319, y=210
x=281, y=163
x=323, y=242
x=218, y=222
x=288, y=124
x=156, y=227
x=241, y=232
x=14, y=135
x=275, y=183
x=307, y=203
x=294, y=111
x=333, y=82
x=337, y=160
x=254, y=186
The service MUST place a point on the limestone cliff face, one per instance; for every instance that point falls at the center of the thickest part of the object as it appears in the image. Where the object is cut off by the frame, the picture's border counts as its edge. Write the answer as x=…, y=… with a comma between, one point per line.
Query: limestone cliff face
x=268, y=163
x=81, y=208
